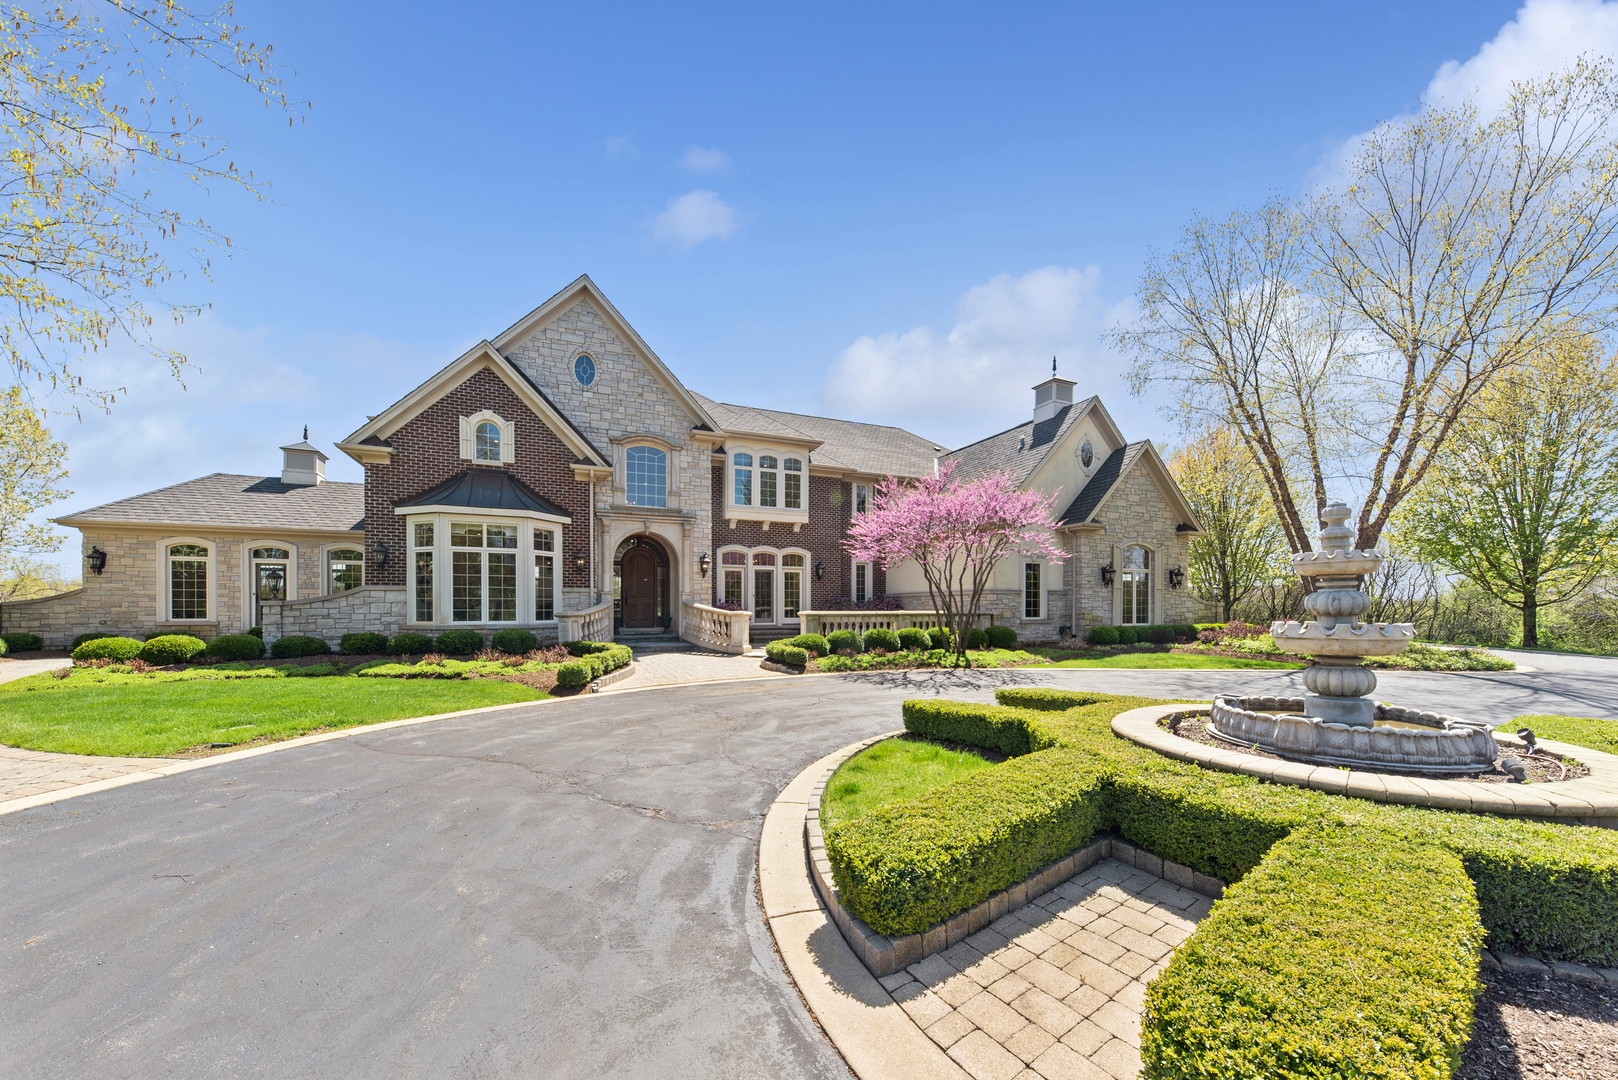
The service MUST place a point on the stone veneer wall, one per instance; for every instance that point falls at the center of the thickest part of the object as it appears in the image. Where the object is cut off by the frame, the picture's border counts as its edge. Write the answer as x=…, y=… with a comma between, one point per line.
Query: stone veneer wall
x=1135, y=513
x=381, y=609
x=427, y=451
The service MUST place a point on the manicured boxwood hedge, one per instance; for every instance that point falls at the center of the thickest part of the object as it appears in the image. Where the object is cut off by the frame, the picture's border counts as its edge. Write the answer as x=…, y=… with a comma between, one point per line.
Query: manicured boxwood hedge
x=914, y=639
x=82, y=638
x=841, y=641
x=1000, y=636
x=285, y=648
x=409, y=643
x=879, y=637
x=457, y=642
x=1102, y=635
x=1345, y=953
x=814, y=643
x=781, y=652
x=171, y=649
x=235, y=647
x=362, y=643
x=22, y=642
x=595, y=659
x=109, y=648
x=514, y=642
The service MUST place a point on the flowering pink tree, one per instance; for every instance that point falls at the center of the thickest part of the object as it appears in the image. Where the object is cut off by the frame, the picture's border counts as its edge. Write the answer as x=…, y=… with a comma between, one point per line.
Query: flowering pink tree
x=956, y=533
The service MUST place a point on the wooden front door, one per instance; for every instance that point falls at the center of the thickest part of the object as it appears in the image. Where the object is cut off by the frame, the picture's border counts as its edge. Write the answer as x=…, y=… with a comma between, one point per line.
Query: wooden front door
x=639, y=575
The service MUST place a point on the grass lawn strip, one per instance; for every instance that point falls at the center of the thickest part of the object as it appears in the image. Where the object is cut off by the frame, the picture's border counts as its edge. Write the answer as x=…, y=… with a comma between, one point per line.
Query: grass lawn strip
x=1580, y=731
x=892, y=770
x=143, y=716
x=1176, y=659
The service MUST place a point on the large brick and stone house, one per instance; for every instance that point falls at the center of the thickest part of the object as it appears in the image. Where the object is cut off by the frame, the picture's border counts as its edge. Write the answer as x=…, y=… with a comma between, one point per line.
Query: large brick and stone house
x=559, y=477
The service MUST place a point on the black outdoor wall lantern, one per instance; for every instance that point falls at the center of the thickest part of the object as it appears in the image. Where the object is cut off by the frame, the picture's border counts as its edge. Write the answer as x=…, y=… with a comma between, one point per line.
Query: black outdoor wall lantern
x=580, y=561
x=820, y=570
x=98, y=560
x=1107, y=574
x=1176, y=577
x=381, y=554
x=702, y=563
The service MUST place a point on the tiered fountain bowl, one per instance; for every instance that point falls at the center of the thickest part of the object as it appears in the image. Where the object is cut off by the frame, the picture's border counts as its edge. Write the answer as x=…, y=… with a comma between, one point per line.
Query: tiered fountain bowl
x=1337, y=723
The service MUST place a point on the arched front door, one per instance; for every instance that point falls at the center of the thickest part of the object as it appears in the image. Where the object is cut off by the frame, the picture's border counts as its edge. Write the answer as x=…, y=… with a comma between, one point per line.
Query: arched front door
x=642, y=573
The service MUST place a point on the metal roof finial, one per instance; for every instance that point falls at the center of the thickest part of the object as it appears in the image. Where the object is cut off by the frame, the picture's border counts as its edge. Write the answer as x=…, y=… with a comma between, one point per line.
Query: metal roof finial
x=306, y=426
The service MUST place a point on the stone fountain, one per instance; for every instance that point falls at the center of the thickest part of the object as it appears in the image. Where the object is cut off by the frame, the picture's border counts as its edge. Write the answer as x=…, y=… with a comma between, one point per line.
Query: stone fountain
x=1337, y=723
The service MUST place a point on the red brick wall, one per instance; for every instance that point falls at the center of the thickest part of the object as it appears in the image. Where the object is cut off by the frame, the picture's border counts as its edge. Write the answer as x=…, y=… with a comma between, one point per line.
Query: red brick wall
x=427, y=451
x=823, y=538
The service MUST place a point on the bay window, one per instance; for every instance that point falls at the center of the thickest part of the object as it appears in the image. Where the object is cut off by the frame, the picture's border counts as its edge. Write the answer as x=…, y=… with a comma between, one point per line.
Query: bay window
x=742, y=466
x=422, y=537
x=544, y=574
x=792, y=484
x=766, y=480
x=468, y=571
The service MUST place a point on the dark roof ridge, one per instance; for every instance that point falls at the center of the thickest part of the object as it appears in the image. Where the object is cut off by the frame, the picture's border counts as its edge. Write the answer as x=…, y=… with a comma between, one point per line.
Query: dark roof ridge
x=817, y=416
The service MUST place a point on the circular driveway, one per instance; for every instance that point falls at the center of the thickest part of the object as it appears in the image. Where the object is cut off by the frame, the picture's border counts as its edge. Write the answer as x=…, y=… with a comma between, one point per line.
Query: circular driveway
x=563, y=889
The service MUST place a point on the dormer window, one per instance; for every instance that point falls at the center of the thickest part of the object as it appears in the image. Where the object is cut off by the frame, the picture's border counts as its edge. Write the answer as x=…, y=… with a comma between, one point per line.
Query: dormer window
x=488, y=442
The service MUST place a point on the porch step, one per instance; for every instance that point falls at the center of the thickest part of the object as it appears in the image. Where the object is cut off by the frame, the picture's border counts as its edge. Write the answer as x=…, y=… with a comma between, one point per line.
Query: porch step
x=646, y=644
x=759, y=635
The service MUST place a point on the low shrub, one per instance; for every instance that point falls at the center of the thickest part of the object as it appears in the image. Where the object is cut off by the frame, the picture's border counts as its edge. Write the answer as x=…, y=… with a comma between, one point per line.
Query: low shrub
x=994, y=727
x=4, y=648
x=256, y=631
x=514, y=641
x=458, y=642
x=1000, y=636
x=843, y=641
x=21, y=642
x=814, y=643
x=575, y=673
x=82, y=638
x=880, y=637
x=362, y=643
x=1346, y=953
x=1161, y=635
x=109, y=648
x=1102, y=635
x=939, y=637
x=409, y=643
x=1127, y=635
x=235, y=647
x=914, y=639
x=977, y=639
x=171, y=649
x=1185, y=632
x=293, y=645
x=779, y=652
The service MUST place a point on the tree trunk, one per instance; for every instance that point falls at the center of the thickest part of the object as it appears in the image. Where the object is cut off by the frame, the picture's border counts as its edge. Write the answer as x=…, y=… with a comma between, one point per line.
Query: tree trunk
x=1530, y=620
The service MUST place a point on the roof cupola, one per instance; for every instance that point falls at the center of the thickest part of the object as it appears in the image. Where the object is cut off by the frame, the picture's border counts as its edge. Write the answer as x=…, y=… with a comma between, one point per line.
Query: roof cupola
x=1052, y=396
x=302, y=463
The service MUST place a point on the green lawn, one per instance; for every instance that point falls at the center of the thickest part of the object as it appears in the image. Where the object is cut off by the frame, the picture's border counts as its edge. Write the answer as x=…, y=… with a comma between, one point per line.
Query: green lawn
x=1162, y=660
x=893, y=769
x=156, y=719
x=1596, y=734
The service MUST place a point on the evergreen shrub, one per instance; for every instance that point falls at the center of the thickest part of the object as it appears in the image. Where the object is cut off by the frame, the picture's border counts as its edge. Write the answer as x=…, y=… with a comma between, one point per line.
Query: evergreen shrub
x=82, y=638
x=812, y=642
x=783, y=652
x=1102, y=635
x=109, y=648
x=841, y=641
x=171, y=649
x=235, y=647
x=1161, y=635
x=513, y=641
x=293, y=645
x=939, y=637
x=21, y=642
x=881, y=638
x=362, y=643
x=409, y=643
x=977, y=639
x=456, y=642
x=914, y=639
x=1128, y=635
x=1001, y=636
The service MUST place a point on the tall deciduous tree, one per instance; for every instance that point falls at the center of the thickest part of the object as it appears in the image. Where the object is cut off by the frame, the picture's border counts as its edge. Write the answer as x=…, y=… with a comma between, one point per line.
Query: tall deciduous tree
x=1525, y=503
x=32, y=468
x=1344, y=339
x=1242, y=543
x=957, y=533
x=98, y=146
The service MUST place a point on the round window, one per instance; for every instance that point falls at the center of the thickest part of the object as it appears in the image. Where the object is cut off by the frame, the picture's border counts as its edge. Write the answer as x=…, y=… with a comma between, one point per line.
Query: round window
x=584, y=370
x=1087, y=454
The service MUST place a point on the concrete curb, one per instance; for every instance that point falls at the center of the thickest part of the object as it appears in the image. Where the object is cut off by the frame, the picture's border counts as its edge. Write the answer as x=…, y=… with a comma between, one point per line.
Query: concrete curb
x=1592, y=800
x=876, y=1037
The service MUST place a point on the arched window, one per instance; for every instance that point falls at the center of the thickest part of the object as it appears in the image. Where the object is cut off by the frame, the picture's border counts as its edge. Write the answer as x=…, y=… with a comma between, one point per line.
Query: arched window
x=742, y=466
x=488, y=442
x=646, y=476
x=1136, y=583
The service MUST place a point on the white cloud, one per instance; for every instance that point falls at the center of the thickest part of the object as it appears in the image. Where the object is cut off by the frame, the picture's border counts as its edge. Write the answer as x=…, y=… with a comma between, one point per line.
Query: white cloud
x=621, y=148
x=975, y=379
x=1544, y=37
x=692, y=218
x=699, y=159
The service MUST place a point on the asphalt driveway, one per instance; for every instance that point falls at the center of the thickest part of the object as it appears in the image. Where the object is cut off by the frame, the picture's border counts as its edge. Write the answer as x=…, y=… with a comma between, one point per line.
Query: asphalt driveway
x=562, y=890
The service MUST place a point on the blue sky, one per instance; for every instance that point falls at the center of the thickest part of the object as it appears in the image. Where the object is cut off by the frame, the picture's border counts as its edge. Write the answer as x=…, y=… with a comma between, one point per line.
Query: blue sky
x=894, y=214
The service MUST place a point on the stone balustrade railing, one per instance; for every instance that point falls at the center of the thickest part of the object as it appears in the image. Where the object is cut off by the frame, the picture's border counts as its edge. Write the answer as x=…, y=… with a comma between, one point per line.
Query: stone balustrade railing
x=715, y=628
x=824, y=622
x=591, y=624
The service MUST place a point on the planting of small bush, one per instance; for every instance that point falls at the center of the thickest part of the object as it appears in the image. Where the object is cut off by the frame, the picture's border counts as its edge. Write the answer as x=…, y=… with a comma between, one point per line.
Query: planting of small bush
x=256, y=631
x=881, y=638
x=22, y=642
x=1344, y=954
x=595, y=659
x=914, y=639
x=977, y=639
x=780, y=652
x=1000, y=636
x=409, y=643
x=1128, y=635
x=458, y=642
x=362, y=643
x=1102, y=635
x=4, y=648
x=514, y=642
x=814, y=643
x=234, y=647
x=82, y=638
x=843, y=641
x=994, y=727
x=1161, y=635
x=939, y=637
x=109, y=648
x=171, y=649
x=574, y=673
x=294, y=645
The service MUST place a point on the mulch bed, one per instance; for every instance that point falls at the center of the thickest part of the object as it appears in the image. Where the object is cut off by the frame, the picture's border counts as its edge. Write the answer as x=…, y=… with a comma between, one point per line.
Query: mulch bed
x=1530, y=1026
x=1542, y=768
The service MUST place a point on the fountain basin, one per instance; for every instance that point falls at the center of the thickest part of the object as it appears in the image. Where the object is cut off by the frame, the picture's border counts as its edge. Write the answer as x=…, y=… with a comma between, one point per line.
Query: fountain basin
x=1335, y=562
x=1400, y=739
x=1363, y=639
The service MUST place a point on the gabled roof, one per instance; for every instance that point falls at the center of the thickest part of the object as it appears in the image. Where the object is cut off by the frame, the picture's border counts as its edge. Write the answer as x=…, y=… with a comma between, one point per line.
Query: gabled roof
x=1092, y=498
x=1022, y=449
x=487, y=489
x=873, y=449
x=481, y=355
x=583, y=286
x=224, y=500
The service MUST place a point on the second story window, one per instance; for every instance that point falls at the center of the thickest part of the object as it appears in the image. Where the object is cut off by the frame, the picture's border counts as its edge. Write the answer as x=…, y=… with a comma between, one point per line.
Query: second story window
x=742, y=465
x=646, y=476
x=860, y=493
x=767, y=466
x=792, y=484
x=488, y=442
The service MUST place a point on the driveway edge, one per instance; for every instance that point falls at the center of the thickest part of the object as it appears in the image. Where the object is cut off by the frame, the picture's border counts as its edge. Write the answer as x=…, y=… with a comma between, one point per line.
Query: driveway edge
x=876, y=1037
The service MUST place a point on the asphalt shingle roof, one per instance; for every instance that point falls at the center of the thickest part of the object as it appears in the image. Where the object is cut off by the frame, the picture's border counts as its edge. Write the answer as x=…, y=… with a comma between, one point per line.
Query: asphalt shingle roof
x=225, y=500
x=1017, y=450
x=1089, y=497
x=488, y=489
x=867, y=448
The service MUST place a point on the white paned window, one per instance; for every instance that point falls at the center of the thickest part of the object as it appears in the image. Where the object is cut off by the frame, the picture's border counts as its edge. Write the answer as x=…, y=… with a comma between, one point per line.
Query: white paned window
x=733, y=583
x=487, y=447
x=188, y=581
x=792, y=569
x=861, y=492
x=544, y=574
x=767, y=477
x=483, y=572
x=1033, y=591
x=764, y=586
x=862, y=582
x=345, y=569
x=646, y=476
x=1135, y=581
x=792, y=484
x=422, y=541
x=742, y=466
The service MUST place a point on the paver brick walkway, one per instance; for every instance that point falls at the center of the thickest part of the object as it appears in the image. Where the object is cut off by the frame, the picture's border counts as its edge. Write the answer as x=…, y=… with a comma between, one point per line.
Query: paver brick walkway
x=1055, y=989
x=33, y=772
x=675, y=668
